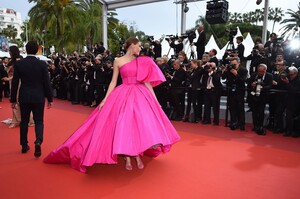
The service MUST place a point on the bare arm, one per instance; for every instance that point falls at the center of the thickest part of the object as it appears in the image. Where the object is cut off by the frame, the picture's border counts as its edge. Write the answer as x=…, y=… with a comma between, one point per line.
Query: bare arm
x=112, y=84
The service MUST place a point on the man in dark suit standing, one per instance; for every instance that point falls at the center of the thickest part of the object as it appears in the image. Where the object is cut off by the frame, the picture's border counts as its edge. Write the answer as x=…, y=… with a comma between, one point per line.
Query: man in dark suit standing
x=235, y=76
x=212, y=93
x=177, y=80
x=259, y=84
x=33, y=76
x=200, y=44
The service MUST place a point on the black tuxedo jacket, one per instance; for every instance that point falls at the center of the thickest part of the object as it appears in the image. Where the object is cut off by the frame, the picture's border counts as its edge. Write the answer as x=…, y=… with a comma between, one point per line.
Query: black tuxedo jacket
x=34, y=77
x=266, y=83
x=201, y=40
x=195, y=77
x=179, y=77
x=216, y=80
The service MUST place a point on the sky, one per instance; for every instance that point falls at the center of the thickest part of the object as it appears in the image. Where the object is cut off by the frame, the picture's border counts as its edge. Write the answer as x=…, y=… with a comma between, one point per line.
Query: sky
x=164, y=18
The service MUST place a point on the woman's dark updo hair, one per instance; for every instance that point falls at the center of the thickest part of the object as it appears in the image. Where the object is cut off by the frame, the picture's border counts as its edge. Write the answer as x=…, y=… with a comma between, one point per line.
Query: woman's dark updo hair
x=129, y=41
x=14, y=52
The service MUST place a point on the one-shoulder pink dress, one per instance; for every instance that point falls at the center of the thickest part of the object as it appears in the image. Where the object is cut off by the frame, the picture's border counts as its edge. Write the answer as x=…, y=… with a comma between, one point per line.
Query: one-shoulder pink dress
x=130, y=123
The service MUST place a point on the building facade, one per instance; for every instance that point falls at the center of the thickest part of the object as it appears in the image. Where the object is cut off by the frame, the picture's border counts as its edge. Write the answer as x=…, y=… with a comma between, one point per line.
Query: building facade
x=10, y=17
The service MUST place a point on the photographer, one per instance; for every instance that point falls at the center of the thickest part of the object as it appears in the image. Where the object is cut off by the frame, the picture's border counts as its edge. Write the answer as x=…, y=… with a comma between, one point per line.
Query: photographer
x=258, y=57
x=194, y=90
x=162, y=90
x=273, y=46
x=235, y=81
x=212, y=56
x=156, y=46
x=147, y=51
x=177, y=80
x=200, y=43
x=240, y=48
x=292, y=82
x=212, y=93
x=63, y=79
x=178, y=46
x=276, y=105
x=259, y=84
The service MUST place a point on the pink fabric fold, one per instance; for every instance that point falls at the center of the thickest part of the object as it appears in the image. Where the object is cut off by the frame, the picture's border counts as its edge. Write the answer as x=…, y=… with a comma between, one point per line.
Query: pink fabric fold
x=148, y=71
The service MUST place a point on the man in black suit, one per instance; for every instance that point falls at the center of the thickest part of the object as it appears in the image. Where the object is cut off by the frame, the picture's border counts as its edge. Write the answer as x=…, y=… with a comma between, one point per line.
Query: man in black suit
x=240, y=48
x=200, y=43
x=235, y=76
x=212, y=57
x=177, y=80
x=35, y=86
x=259, y=84
x=212, y=93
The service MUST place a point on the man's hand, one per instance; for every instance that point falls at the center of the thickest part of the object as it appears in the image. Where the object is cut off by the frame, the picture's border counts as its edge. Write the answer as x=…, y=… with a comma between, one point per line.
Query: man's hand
x=234, y=72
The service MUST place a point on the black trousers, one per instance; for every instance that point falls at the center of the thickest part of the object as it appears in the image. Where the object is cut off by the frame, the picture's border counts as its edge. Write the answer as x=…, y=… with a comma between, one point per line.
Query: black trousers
x=236, y=105
x=258, y=111
x=193, y=99
x=212, y=99
x=37, y=110
x=178, y=95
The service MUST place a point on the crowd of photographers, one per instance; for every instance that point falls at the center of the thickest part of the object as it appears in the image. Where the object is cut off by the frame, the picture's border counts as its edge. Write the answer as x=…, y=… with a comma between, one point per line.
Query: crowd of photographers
x=268, y=76
x=271, y=78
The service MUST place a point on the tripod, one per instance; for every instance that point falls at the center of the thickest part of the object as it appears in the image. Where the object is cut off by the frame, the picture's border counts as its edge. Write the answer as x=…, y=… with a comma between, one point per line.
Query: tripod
x=230, y=45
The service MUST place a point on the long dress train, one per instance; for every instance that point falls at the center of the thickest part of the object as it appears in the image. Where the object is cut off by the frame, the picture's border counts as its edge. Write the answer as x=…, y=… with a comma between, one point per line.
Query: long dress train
x=130, y=123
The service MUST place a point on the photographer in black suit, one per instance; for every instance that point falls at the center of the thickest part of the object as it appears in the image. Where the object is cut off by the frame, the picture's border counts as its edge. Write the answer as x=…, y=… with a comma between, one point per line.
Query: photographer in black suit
x=212, y=93
x=177, y=80
x=177, y=46
x=235, y=81
x=292, y=84
x=194, y=88
x=200, y=43
x=259, y=84
x=35, y=86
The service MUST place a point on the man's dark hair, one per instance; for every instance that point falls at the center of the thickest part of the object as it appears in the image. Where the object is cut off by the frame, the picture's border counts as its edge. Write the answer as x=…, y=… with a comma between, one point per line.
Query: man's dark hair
x=31, y=47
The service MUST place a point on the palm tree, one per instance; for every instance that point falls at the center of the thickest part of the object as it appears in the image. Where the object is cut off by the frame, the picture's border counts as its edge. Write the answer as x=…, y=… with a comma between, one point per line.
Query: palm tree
x=257, y=16
x=93, y=20
x=275, y=15
x=47, y=11
x=246, y=17
x=292, y=24
x=235, y=17
x=10, y=31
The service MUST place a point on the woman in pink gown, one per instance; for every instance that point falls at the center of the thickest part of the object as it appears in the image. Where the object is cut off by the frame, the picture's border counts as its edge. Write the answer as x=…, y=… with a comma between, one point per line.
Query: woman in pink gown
x=129, y=121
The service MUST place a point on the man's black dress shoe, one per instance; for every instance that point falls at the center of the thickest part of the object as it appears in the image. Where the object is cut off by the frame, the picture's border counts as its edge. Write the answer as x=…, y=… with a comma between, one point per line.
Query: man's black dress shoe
x=233, y=127
x=205, y=122
x=38, y=151
x=242, y=128
x=261, y=131
x=25, y=149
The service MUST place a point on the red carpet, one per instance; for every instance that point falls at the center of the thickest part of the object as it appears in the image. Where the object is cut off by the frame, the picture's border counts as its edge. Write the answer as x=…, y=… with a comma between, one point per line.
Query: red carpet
x=209, y=162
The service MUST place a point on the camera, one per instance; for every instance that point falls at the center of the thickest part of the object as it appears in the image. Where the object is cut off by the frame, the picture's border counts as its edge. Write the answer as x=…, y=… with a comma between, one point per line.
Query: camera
x=231, y=66
x=283, y=75
x=150, y=38
x=171, y=38
x=232, y=33
x=278, y=41
x=208, y=66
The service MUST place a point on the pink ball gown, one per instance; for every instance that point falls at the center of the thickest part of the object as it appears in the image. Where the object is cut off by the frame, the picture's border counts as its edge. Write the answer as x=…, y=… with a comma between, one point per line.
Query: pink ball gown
x=130, y=123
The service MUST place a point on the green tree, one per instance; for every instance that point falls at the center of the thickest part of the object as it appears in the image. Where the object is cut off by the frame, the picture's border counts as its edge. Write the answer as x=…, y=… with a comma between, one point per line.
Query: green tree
x=92, y=20
x=275, y=15
x=235, y=17
x=49, y=11
x=10, y=31
x=291, y=24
